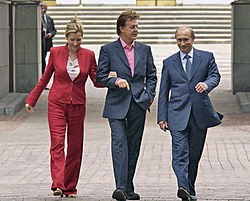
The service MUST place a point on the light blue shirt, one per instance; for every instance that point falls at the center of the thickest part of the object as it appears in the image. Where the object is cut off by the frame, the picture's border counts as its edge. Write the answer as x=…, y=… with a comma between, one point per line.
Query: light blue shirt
x=184, y=61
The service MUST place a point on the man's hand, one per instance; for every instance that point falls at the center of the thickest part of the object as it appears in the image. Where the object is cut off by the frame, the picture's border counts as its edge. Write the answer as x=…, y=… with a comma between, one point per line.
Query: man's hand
x=122, y=83
x=48, y=35
x=200, y=87
x=163, y=125
x=29, y=108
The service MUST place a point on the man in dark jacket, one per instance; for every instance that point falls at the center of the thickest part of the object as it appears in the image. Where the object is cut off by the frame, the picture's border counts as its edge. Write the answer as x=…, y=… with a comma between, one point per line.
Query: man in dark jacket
x=187, y=111
x=127, y=69
x=49, y=31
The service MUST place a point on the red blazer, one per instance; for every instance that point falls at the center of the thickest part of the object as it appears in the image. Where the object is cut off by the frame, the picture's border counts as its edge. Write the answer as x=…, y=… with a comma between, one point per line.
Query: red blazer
x=63, y=89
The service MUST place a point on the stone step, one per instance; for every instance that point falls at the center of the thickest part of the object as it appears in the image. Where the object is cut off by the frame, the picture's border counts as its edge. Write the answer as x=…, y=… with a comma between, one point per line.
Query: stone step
x=144, y=17
x=61, y=30
x=244, y=100
x=150, y=23
x=212, y=24
x=12, y=103
x=119, y=8
x=152, y=41
x=149, y=36
x=112, y=19
x=153, y=30
x=201, y=23
x=142, y=13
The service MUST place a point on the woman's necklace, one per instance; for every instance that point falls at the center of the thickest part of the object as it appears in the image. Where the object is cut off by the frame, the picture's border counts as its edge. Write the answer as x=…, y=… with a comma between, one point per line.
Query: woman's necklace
x=72, y=56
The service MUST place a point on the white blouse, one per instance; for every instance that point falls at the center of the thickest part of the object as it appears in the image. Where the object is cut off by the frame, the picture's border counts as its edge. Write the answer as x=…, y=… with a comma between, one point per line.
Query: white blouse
x=73, y=68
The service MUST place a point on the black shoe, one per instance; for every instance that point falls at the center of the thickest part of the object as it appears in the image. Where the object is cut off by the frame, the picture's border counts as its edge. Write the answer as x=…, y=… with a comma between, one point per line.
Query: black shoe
x=193, y=198
x=132, y=196
x=183, y=194
x=119, y=195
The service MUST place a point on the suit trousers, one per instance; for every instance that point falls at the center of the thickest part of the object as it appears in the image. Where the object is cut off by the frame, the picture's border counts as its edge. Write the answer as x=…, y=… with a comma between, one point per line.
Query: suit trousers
x=187, y=147
x=65, y=171
x=44, y=53
x=126, y=137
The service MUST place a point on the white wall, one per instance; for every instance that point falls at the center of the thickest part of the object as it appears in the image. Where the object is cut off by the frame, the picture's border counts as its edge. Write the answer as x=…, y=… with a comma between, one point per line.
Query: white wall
x=186, y=2
x=109, y=1
x=63, y=2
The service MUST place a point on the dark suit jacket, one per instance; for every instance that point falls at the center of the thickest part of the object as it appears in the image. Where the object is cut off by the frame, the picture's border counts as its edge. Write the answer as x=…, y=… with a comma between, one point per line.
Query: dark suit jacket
x=43, y=42
x=176, y=108
x=50, y=26
x=63, y=88
x=142, y=84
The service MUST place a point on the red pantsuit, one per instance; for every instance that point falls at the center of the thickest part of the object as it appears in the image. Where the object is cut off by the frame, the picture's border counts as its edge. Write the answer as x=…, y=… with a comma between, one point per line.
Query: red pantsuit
x=65, y=172
x=66, y=110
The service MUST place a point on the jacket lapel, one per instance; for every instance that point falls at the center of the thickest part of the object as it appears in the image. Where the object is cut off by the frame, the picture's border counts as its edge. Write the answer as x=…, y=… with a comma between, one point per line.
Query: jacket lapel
x=80, y=57
x=65, y=56
x=138, y=52
x=179, y=67
x=195, y=63
x=121, y=53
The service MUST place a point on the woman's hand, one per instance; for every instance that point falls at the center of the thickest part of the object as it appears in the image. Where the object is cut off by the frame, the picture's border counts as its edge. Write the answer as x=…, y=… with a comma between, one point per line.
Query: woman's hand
x=29, y=108
x=163, y=125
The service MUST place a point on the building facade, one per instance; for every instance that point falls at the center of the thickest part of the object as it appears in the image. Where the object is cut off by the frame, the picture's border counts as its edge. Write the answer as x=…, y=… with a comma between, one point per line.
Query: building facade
x=20, y=52
x=139, y=2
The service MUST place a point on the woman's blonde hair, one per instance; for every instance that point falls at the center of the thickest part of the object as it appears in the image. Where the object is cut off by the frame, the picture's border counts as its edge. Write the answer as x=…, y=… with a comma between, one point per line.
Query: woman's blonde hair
x=73, y=26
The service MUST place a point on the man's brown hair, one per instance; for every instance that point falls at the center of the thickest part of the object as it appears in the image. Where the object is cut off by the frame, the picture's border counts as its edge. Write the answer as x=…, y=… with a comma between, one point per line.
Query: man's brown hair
x=126, y=15
x=185, y=28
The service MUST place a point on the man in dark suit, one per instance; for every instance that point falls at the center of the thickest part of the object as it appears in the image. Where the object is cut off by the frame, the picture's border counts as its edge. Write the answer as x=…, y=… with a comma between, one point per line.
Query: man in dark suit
x=187, y=112
x=127, y=69
x=49, y=31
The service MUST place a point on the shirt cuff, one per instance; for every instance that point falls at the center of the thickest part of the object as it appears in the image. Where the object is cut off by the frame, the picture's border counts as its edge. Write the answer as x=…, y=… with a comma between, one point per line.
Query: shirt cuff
x=117, y=81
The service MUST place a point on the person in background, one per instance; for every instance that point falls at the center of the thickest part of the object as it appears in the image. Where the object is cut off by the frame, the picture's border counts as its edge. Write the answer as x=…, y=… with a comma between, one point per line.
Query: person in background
x=187, y=112
x=127, y=69
x=49, y=31
x=71, y=65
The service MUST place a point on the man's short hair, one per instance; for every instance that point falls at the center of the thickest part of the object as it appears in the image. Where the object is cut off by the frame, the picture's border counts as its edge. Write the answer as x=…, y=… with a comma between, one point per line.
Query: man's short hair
x=185, y=28
x=126, y=15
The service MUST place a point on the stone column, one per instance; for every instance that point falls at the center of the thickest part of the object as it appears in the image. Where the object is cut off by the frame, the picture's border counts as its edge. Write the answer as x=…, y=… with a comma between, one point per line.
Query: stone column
x=240, y=46
x=4, y=49
x=27, y=44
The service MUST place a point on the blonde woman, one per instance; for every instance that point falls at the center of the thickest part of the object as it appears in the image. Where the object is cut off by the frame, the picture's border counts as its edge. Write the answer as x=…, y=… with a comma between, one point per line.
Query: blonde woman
x=71, y=66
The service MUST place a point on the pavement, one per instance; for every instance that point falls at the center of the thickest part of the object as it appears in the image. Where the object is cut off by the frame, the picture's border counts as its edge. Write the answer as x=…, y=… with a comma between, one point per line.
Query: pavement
x=224, y=172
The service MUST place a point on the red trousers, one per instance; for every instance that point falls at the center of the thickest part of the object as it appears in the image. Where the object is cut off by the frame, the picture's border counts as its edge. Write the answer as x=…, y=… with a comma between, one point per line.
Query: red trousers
x=65, y=171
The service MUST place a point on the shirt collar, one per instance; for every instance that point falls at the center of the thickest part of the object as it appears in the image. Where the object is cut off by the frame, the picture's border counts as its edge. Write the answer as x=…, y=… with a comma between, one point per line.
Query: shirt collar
x=191, y=54
x=124, y=45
